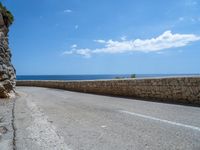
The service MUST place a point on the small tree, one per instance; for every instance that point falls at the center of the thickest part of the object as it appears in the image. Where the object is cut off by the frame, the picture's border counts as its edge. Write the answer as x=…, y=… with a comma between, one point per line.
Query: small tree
x=7, y=15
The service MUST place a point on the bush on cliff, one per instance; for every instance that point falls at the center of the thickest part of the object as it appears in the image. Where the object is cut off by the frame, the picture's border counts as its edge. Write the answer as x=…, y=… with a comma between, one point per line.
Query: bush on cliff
x=7, y=15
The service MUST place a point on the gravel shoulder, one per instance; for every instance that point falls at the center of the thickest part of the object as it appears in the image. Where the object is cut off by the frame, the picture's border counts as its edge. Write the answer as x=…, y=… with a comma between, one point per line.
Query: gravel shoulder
x=6, y=124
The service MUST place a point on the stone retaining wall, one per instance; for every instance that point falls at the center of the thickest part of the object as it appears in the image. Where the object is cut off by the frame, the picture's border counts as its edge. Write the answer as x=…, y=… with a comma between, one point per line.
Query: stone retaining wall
x=178, y=89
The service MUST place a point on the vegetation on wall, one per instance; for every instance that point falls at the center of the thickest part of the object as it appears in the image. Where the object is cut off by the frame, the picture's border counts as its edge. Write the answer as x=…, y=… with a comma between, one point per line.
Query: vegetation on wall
x=7, y=15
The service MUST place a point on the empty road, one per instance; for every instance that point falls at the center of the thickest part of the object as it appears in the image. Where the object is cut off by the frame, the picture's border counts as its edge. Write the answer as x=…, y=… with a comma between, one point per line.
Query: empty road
x=51, y=119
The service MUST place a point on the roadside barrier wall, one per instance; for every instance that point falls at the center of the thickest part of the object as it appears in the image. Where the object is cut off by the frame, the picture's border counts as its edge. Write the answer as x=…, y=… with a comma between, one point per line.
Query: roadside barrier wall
x=175, y=89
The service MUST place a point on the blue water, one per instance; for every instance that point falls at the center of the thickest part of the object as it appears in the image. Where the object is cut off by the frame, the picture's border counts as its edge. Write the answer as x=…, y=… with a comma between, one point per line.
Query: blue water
x=93, y=77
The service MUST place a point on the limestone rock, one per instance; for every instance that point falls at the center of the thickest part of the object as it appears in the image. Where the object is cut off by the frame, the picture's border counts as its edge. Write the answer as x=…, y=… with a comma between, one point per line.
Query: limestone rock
x=7, y=71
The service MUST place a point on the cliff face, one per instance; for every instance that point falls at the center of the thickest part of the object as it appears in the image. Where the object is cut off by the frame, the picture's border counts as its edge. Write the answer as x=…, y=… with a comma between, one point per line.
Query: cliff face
x=7, y=71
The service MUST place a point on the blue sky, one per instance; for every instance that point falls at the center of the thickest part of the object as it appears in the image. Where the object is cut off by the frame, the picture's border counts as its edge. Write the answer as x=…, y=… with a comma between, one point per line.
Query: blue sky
x=105, y=36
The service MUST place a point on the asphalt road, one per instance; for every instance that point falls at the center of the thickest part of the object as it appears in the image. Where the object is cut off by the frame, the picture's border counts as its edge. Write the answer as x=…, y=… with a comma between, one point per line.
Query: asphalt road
x=48, y=119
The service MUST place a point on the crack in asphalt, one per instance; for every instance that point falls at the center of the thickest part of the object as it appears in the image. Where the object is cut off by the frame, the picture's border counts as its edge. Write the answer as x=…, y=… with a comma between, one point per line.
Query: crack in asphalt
x=13, y=124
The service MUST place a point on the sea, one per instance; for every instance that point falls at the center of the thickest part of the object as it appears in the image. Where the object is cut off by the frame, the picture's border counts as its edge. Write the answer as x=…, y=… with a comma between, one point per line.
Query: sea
x=97, y=77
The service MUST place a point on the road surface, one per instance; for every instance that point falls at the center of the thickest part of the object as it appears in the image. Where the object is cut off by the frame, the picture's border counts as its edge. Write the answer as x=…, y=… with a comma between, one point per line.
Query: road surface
x=51, y=119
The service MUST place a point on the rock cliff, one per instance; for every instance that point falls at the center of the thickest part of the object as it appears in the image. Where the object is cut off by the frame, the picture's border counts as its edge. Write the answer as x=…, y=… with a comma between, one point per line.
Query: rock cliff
x=7, y=71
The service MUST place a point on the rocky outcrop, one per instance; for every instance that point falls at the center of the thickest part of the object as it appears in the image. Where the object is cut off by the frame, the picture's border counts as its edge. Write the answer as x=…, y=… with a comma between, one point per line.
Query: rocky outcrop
x=7, y=71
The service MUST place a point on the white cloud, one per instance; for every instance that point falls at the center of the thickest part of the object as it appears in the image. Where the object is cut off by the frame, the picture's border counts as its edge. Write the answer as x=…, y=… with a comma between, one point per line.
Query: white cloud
x=84, y=52
x=100, y=41
x=193, y=19
x=123, y=38
x=189, y=19
x=67, y=52
x=67, y=11
x=181, y=18
x=74, y=46
x=191, y=3
x=76, y=27
x=164, y=41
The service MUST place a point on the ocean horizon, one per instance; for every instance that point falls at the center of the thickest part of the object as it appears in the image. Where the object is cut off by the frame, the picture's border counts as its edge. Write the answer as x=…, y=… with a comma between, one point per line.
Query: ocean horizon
x=96, y=77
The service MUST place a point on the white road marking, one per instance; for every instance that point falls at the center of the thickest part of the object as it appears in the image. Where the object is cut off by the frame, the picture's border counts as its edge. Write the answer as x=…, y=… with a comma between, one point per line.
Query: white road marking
x=43, y=132
x=162, y=120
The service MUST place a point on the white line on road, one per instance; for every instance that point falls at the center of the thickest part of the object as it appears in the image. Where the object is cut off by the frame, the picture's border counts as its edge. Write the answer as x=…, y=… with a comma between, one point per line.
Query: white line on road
x=161, y=120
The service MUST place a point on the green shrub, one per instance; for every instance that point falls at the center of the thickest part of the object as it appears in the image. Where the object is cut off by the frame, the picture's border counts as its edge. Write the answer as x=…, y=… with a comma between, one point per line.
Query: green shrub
x=133, y=76
x=7, y=15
